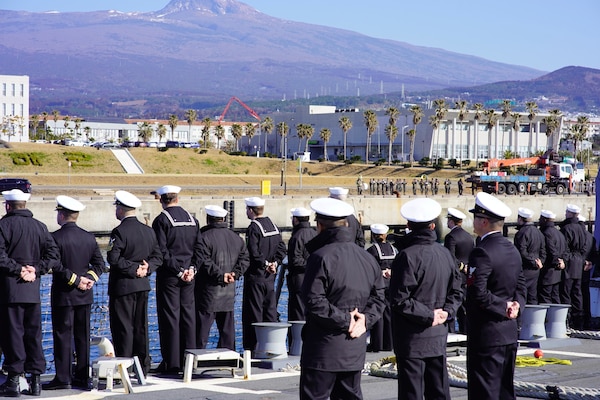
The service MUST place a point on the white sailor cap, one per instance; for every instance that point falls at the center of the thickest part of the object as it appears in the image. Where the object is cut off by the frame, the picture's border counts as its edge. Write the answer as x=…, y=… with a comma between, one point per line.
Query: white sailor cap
x=581, y=218
x=573, y=208
x=490, y=206
x=168, y=189
x=548, y=214
x=123, y=198
x=254, y=202
x=455, y=214
x=300, y=212
x=338, y=191
x=380, y=229
x=525, y=213
x=421, y=210
x=329, y=208
x=15, y=195
x=69, y=204
x=215, y=211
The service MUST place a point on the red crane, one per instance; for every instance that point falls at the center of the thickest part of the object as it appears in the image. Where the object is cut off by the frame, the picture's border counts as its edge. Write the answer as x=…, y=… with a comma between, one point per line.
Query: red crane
x=251, y=111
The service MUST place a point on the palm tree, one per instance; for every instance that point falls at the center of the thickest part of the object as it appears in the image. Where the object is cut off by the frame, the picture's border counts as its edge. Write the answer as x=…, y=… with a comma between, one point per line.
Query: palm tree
x=237, y=131
x=77, y=126
x=516, y=127
x=531, y=107
x=491, y=121
x=250, y=129
x=267, y=127
x=66, y=120
x=506, y=108
x=55, y=114
x=220, y=134
x=391, y=131
x=161, y=131
x=190, y=116
x=345, y=126
x=283, y=130
x=552, y=122
x=173, y=121
x=393, y=113
x=371, y=123
x=441, y=109
x=578, y=132
x=309, y=131
x=478, y=110
x=45, y=119
x=435, y=121
x=87, y=130
x=417, y=113
x=462, y=107
x=325, y=135
x=35, y=121
x=144, y=131
x=206, y=123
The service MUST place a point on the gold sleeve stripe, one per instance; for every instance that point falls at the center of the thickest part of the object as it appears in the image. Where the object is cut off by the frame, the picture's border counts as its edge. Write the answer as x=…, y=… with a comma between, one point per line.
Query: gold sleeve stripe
x=72, y=280
x=94, y=275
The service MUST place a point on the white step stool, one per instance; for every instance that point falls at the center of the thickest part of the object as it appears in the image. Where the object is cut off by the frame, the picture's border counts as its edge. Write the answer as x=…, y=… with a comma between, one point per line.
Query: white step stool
x=200, y=360
x=111, y=367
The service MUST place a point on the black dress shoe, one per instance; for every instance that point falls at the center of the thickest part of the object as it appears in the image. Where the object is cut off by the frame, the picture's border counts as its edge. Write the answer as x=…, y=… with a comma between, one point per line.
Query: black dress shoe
x=82, y=384
x=55, y=384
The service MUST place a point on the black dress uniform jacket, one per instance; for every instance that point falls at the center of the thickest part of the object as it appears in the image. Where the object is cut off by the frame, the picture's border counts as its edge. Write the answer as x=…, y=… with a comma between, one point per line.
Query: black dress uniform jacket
x=80, y=256
x=302, y=233
x=354, y=225
x=577, y=247
x=24, y=241
x=130, y=243
x=424, y=278
x=221, y=251
x=340, y=277
x=264, y=244
x=496, y=277
x=531, y=245
x=460, y=244
x=556, y=247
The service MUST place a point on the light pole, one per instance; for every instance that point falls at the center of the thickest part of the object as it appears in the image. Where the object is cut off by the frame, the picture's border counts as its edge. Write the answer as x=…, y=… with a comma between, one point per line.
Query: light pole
x=403, y=129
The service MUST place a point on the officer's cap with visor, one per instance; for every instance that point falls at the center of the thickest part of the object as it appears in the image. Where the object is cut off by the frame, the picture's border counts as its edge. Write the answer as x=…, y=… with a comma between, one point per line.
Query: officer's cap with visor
x=69, y=204
x=126, y=199
x=421, y=210
x=331, y=209
x=491, y=207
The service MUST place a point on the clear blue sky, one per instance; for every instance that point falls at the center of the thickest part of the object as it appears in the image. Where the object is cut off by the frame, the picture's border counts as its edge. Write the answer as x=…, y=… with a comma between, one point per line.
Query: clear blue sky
x=541, y=34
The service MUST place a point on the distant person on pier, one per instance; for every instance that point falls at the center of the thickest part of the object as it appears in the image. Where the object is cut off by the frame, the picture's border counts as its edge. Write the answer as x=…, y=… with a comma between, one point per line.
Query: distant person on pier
x=556, y=247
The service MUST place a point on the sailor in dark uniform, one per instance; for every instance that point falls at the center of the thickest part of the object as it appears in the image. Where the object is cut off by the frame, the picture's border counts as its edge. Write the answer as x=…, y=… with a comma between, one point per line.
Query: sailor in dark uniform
x=343, y=292
x=223, y=260
x=302, y=233
x=353, y=223
x=384, y=253
x=575, y=260
x=532, y=246
x=72, y=297
x=266, y=249
x=495, y=293
x=27, y=251
x=178, y=236
x=460, y=243
x=133, y=254
x=425, y=292
x=556, y=247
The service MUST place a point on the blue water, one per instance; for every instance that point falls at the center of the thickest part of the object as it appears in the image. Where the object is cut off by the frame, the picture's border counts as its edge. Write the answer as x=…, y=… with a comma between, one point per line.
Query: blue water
x=100, y=322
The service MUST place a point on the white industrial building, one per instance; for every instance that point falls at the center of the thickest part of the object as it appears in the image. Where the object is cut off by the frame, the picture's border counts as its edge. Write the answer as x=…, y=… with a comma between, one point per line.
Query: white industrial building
x=14, y=108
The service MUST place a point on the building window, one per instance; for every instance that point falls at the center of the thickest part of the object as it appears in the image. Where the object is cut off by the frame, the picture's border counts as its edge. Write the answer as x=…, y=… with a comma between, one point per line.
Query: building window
x=14, y=90
x=22, y=90
x=4, y=89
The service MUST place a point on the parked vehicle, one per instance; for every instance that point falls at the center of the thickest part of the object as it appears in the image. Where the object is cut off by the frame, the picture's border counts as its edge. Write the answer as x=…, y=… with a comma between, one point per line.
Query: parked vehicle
x=173, y=144
x=15, y=183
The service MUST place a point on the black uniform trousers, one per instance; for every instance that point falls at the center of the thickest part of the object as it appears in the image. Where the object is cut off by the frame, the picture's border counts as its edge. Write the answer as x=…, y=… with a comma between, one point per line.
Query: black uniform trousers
x=175, y=307
x=225, y=324
x=323, y=385
x=490, y=372
x=21, y=338
x=570, y=293
x=71, y=325
x=295, y=305
x=531, y=282
x=549, y=294
x=129, y=326
x=381, y=331
x=420, y=378
x=258, y=305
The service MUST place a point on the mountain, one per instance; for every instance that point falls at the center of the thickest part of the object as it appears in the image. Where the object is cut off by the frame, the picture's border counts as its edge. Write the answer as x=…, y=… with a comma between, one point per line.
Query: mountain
x=209, y=50
x=569, y=88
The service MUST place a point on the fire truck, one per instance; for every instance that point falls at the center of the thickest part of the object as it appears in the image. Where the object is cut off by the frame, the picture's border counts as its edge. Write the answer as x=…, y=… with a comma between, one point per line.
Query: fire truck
x=544, y=174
